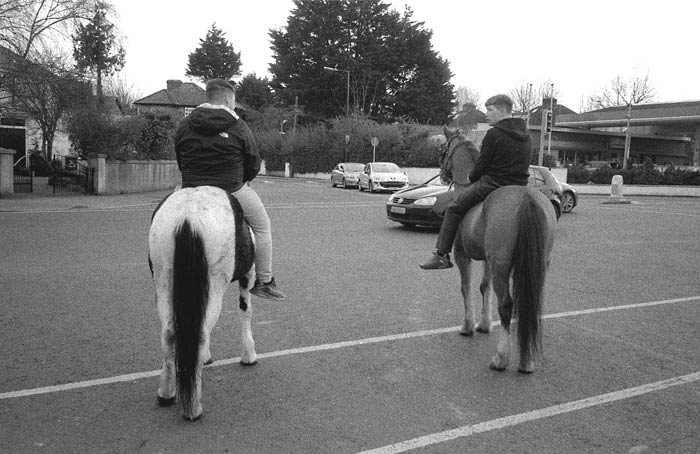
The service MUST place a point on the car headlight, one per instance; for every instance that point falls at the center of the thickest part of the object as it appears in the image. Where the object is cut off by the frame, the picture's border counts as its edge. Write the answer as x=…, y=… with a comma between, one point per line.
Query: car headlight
x=426, y=201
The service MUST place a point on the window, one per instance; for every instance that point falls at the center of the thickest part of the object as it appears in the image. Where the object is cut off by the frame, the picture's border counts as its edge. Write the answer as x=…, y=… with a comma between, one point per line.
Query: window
x=188, y=111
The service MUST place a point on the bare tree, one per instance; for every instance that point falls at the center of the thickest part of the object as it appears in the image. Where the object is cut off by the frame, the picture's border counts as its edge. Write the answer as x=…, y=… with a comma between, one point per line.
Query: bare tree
x=45, y=89
x=527, y=96
x=124, y=92
x=27, y=24
x=465, y=95
x=523, y=97
x=622, y=92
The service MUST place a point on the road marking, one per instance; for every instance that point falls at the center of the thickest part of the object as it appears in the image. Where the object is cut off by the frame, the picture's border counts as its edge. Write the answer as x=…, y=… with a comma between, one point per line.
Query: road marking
x=508, y=421
x=642, y=210
x=319, y=348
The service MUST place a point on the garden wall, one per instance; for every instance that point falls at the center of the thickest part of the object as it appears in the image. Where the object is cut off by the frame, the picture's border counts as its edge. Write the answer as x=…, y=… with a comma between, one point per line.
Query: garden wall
x=140, y=176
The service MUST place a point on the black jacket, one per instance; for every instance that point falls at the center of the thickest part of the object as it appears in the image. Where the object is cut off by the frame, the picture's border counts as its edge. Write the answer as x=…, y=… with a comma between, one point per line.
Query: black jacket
x=214, y=147
x=505, y=153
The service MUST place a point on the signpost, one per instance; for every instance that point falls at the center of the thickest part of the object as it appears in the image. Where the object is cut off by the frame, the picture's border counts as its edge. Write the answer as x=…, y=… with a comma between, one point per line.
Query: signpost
x=375, y=142
x=347, y=141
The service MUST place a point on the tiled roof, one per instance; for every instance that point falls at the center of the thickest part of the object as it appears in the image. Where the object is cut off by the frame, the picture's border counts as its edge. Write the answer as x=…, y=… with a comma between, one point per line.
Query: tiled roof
x=187, y=94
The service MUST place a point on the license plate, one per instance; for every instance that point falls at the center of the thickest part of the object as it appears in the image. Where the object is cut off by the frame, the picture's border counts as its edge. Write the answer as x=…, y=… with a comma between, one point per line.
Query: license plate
x=398, y=210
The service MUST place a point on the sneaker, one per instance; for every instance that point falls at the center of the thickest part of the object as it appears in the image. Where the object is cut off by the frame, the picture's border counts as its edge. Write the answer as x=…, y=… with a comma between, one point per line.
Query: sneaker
x=437, y=262
x=267, y=290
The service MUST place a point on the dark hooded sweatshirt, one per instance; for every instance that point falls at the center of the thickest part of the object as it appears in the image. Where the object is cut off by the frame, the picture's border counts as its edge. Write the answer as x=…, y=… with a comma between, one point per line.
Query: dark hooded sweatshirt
x=213, y=147
x=505, y=153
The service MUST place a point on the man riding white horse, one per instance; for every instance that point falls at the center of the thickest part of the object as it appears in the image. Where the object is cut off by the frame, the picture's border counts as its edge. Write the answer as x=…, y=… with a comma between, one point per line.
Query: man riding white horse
x=214, y=147
x=504, y=160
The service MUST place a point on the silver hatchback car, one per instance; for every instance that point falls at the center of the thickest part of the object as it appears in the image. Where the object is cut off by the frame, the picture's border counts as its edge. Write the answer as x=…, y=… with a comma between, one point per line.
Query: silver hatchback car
x=346, y=174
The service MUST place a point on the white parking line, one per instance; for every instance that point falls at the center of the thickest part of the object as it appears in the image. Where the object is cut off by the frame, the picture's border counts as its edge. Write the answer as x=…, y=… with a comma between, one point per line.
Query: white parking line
x=318, y=348
x=508, y=421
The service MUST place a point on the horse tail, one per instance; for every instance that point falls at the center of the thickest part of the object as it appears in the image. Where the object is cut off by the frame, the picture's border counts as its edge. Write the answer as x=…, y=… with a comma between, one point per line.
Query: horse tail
x=190, y=294
x=529, y=270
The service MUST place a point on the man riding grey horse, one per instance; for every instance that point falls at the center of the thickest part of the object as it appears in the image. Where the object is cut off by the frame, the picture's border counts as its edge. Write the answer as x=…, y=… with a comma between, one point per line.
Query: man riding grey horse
x=504, y=160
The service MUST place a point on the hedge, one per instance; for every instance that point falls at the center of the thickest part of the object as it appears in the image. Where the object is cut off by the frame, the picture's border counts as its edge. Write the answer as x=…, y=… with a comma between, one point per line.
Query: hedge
x=645, y=174
x=319, y=147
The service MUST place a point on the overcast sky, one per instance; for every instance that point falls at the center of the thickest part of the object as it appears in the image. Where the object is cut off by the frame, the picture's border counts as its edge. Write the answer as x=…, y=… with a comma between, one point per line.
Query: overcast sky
x=492, y=46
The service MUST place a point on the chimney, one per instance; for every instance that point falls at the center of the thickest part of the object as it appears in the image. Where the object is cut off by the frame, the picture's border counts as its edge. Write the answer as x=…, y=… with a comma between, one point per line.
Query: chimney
x=172, y=84
x=547, y=100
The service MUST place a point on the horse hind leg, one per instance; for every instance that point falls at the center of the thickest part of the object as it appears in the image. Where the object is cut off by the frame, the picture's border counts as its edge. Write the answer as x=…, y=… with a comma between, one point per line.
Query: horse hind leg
x=464, y=264
x=484, y=288
x=501, y=287
x=166, y=387
x=248, y=355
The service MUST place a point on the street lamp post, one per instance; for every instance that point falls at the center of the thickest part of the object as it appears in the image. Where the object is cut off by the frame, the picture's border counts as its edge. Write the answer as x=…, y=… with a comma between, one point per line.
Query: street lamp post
x=347, y=91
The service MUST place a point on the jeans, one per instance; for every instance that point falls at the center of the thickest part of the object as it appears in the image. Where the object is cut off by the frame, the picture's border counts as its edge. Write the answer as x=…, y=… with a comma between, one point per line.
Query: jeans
x=458, y=207
x=256, y=216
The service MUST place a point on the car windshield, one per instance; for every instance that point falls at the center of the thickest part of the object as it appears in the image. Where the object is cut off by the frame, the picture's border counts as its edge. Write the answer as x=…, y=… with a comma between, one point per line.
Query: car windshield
x=353, y=167
x=385, y=167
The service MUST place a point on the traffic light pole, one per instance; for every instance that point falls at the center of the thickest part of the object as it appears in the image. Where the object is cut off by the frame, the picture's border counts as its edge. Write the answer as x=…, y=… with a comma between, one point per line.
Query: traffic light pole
x=550, y=122
x=545, y=129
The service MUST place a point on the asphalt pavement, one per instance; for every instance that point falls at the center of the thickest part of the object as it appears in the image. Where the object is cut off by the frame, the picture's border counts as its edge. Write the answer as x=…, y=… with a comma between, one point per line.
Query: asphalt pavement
x=364, y=356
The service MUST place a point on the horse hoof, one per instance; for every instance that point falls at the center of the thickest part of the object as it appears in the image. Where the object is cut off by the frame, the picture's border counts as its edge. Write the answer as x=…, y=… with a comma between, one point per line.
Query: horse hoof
x=193, y=418
x=249, y=363
x=498, y=363
x=209, y=361
x=466, y=332
x=165, y=401
x=527, y=368
x=483, y=330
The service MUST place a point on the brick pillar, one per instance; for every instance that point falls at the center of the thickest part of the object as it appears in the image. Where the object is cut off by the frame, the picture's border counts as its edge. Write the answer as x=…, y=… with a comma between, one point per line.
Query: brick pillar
x=7, y=178
x=97, y=163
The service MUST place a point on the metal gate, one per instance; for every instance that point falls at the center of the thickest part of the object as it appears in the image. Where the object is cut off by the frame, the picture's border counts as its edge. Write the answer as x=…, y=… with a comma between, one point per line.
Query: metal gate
x=22, y=183
x=71, y=176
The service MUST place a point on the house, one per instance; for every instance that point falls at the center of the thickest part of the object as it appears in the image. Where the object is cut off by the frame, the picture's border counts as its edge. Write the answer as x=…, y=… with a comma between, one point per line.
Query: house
x=18, y=130
x=178, y=99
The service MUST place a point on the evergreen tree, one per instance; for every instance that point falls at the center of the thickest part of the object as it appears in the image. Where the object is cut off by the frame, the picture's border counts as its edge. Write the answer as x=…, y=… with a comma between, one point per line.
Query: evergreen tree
x=254, y=92
x=214, y=58
x=388, y=55
x=95, y=47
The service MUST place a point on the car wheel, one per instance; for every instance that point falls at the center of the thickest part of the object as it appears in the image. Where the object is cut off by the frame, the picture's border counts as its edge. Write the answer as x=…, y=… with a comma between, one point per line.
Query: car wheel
x=371, y=186
x=557, y=209
x=332, y=183
x=567, y=202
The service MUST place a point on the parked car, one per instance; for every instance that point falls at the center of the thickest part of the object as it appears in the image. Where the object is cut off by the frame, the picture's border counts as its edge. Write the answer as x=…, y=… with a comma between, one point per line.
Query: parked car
x=569, y=198
x=346, y=174
x=413, y=206
x=382, y=176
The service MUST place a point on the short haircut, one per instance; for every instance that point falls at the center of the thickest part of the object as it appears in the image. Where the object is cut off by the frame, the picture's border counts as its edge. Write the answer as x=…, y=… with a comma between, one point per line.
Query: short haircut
x=503, y=101
x=216, y=88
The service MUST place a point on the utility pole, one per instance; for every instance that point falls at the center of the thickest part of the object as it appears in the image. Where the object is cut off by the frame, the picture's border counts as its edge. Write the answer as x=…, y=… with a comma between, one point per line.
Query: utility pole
x=628, y=136
x=528, y=107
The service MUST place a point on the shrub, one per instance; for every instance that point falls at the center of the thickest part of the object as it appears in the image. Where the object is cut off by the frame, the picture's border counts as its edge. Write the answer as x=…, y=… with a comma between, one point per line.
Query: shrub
x=318, y=147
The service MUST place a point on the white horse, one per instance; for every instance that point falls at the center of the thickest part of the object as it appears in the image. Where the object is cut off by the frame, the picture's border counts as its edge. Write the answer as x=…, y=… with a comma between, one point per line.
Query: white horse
x=198, y=243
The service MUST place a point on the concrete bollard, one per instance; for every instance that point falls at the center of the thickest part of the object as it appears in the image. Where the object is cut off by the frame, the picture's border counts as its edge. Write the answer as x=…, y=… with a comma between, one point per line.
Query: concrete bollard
x=616, y=187
x=616, y=191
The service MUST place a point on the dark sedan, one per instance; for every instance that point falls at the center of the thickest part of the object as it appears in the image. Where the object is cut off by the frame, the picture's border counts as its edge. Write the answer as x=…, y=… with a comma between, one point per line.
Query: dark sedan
x=413, y=206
